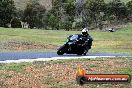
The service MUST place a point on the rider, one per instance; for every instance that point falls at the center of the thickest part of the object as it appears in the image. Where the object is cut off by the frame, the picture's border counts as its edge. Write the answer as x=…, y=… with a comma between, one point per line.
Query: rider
x=88, y=39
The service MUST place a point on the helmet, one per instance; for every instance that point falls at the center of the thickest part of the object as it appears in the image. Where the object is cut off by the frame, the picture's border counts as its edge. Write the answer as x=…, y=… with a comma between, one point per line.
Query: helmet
x=85, y=31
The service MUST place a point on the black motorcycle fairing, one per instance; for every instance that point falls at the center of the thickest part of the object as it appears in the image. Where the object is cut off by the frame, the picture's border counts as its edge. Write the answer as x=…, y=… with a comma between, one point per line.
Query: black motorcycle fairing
x=74, y=49
x=74, y=44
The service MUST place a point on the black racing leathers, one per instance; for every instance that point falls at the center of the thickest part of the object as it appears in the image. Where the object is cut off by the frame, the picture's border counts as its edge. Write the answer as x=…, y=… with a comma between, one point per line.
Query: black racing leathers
x=88, y=41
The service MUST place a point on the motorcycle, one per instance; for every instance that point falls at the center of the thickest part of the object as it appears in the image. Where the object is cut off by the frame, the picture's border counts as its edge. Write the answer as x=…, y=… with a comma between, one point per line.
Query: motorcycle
x=74, y=45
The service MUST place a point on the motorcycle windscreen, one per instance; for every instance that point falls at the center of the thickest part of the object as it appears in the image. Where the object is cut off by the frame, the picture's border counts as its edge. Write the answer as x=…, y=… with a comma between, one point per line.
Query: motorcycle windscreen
x=73, y=38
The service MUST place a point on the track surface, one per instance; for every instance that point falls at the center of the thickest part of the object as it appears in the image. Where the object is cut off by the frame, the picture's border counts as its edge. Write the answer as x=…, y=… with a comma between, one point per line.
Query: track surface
x=33, y=55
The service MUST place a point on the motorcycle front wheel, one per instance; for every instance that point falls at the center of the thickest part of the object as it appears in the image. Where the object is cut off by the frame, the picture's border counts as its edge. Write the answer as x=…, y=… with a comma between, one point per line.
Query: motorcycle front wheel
x=61, y=50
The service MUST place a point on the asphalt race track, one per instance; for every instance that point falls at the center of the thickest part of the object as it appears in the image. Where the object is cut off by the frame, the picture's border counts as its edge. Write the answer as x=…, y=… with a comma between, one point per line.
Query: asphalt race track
x=34, y=55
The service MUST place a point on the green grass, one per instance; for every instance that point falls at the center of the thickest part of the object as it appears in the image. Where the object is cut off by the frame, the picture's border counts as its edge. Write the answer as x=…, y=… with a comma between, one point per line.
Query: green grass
x=34, y=35
x=117, y=42
x=47, y=80
x=58, y=86
x=18, y=67
x=126, y=71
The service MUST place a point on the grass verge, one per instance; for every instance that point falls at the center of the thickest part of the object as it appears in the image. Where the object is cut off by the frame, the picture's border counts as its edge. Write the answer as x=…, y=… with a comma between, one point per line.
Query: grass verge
x=62, y=73
x=49, y=40
x=19, y=67
x=31, y=39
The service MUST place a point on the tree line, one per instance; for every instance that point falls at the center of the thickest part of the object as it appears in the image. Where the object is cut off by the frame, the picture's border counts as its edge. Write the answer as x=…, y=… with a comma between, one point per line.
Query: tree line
x=66, y=14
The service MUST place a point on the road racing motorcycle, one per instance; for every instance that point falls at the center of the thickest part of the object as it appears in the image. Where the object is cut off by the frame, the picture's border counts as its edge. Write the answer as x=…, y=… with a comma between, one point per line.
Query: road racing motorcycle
x=74, y=45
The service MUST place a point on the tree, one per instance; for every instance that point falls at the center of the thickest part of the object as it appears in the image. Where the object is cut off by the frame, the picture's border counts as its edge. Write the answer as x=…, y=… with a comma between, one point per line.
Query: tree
x=67, y=23
x=56, y=8
x=129, y=6
x=53, y=21
x=15, y=23
x=91, y=12
x=62, y=12
x=95, y=6
x=118, y=9
x=34, y=14
x=19, y=14
x=7, y=11
x=69, y=7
